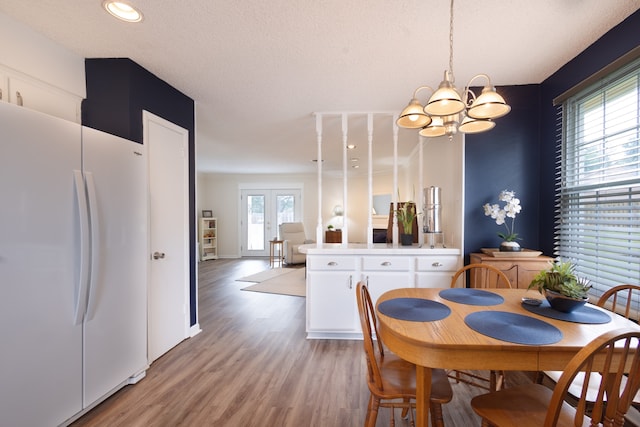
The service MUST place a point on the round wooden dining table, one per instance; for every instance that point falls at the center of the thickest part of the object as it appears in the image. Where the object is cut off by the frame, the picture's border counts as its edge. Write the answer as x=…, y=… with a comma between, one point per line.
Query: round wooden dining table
x=450, y=343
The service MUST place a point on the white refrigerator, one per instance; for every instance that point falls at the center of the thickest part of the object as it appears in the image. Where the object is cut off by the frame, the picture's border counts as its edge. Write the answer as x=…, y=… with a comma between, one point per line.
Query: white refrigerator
x=73, y=266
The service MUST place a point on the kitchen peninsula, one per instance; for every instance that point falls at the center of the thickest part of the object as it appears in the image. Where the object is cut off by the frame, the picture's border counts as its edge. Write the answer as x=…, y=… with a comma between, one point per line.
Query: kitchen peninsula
x=333, y=270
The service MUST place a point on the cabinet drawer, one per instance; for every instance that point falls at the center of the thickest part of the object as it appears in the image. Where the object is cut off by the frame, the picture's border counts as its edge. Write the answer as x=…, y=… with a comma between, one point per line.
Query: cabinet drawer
x=327, y=263
x=438, y=263
x=386, y=263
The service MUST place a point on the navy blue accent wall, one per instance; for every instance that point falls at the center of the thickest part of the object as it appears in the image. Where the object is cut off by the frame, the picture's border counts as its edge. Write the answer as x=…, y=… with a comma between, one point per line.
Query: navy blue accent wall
x=520, y=153
x=118, y=90
x=505, y=158
x=614, y=44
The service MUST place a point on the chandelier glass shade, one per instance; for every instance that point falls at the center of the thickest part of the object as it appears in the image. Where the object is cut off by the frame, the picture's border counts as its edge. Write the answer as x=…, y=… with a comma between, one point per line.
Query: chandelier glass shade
x=448, y=111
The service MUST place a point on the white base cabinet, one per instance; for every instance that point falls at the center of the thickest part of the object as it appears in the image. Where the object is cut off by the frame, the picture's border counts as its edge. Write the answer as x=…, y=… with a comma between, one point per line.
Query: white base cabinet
x=331, y=283
x=436, y=271
x=382, y=273
x=336, y=310
x=334, y=271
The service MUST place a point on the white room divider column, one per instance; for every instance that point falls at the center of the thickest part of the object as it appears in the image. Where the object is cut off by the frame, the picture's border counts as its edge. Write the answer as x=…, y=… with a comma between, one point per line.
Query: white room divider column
x=319, y=227
x=370, y=115
x=345, y=198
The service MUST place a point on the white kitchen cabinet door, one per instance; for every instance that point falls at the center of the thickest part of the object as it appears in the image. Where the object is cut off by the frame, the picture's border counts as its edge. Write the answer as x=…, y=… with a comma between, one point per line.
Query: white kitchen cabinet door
x=380, y=282
x=434, y=279
x=334, y=306
x=41, y=97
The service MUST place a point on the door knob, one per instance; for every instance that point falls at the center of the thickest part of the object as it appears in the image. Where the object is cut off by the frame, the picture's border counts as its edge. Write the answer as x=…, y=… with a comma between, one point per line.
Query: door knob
x=158, y=255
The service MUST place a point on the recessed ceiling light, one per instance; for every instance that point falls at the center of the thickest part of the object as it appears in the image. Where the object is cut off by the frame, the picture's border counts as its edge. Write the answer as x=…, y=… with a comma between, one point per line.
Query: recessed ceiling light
x=354, y=159
x=351, y=146
x=122, y=11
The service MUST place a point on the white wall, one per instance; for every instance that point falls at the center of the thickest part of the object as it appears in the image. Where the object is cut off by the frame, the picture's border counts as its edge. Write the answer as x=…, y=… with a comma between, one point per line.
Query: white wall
x=220, y=194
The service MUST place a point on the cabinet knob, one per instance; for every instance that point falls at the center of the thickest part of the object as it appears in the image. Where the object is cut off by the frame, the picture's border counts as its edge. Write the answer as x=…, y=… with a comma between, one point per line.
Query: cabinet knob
x=158, y=255
x=332, y=264
x=436, y=264
x=385, y=264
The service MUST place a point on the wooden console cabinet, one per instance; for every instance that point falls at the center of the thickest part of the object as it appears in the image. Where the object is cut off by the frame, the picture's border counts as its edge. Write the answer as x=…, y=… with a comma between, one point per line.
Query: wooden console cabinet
x=519, y=270
x=334, y=236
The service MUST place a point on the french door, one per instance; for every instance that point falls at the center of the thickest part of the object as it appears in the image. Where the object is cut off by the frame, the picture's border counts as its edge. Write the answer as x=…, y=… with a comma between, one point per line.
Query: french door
x=263, y=210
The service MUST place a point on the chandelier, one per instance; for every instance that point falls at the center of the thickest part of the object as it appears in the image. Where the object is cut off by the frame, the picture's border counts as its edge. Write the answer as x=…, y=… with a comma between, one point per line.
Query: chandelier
x=447, y=111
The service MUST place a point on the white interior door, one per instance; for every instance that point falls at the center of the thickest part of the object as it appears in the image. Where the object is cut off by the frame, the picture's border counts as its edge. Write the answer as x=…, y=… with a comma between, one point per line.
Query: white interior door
x=167, y=146
x=263, y=210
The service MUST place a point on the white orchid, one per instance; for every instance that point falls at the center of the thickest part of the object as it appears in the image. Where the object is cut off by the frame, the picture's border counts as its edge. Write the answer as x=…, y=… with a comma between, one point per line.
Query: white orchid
x=511, y=208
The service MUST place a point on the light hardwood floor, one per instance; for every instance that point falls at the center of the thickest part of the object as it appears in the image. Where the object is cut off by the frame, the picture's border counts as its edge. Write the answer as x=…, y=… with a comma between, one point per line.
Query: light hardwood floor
x=252, y=366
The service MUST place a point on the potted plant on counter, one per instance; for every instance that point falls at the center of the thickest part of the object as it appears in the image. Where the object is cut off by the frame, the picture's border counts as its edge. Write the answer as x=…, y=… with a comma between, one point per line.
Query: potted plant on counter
x=564, y=290
x=406, y=215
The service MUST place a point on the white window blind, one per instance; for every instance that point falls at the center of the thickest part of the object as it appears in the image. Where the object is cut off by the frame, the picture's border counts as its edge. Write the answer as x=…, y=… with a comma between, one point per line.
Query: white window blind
x=598, y=187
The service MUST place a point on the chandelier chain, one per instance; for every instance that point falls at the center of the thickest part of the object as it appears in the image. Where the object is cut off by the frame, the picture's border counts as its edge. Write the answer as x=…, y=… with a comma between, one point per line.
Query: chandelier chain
x=451, y=40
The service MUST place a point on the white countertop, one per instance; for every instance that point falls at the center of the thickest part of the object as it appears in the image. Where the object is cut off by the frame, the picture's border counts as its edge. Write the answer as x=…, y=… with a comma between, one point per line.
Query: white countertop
x=374, y=249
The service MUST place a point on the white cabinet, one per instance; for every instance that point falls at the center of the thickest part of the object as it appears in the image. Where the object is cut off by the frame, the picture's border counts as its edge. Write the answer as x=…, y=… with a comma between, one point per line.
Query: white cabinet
x=331, y=285
x=436, y=271
x=384, y=273
x=208, y=238
x=333, y=273
x=23, y=90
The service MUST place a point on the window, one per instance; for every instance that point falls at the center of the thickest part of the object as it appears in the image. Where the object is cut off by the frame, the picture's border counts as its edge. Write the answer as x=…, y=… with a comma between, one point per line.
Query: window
x=598, y=192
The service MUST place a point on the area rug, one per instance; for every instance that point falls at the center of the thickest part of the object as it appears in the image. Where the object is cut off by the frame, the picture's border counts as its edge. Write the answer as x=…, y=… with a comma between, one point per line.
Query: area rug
x=291, y=282
x=266, y=274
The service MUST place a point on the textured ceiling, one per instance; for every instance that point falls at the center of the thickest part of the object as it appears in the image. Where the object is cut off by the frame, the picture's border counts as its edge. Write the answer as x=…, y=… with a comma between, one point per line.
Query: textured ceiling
x=259, y=69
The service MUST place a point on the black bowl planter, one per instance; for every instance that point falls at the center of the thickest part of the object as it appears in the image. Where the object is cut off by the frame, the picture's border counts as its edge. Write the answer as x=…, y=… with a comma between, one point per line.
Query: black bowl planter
x=560, y=302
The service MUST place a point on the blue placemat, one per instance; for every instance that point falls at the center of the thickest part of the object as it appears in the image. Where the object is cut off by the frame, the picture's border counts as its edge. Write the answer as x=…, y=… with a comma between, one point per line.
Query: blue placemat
x=583, y=314
x=414, y=309
x=471, y=296
x=513, y=327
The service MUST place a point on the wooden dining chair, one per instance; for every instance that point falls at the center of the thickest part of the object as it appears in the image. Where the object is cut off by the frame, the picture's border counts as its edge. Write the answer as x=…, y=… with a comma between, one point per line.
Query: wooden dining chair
x=481, y=276
x=618, y=299
x=392, y=380
x=535, y=405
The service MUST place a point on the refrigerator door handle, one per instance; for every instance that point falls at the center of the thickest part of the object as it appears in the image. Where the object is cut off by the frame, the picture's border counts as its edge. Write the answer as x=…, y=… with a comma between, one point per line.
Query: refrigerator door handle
x=83, y=282
x=95, y=244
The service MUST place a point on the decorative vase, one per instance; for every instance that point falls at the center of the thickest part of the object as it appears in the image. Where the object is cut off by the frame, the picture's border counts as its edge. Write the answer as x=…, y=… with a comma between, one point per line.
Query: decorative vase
x=510, y=247
x=563, y=303
x=406, y=239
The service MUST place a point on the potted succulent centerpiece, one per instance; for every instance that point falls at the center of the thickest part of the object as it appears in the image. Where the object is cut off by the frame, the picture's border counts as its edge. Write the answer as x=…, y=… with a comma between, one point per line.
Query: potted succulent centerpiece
x=564, y=290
